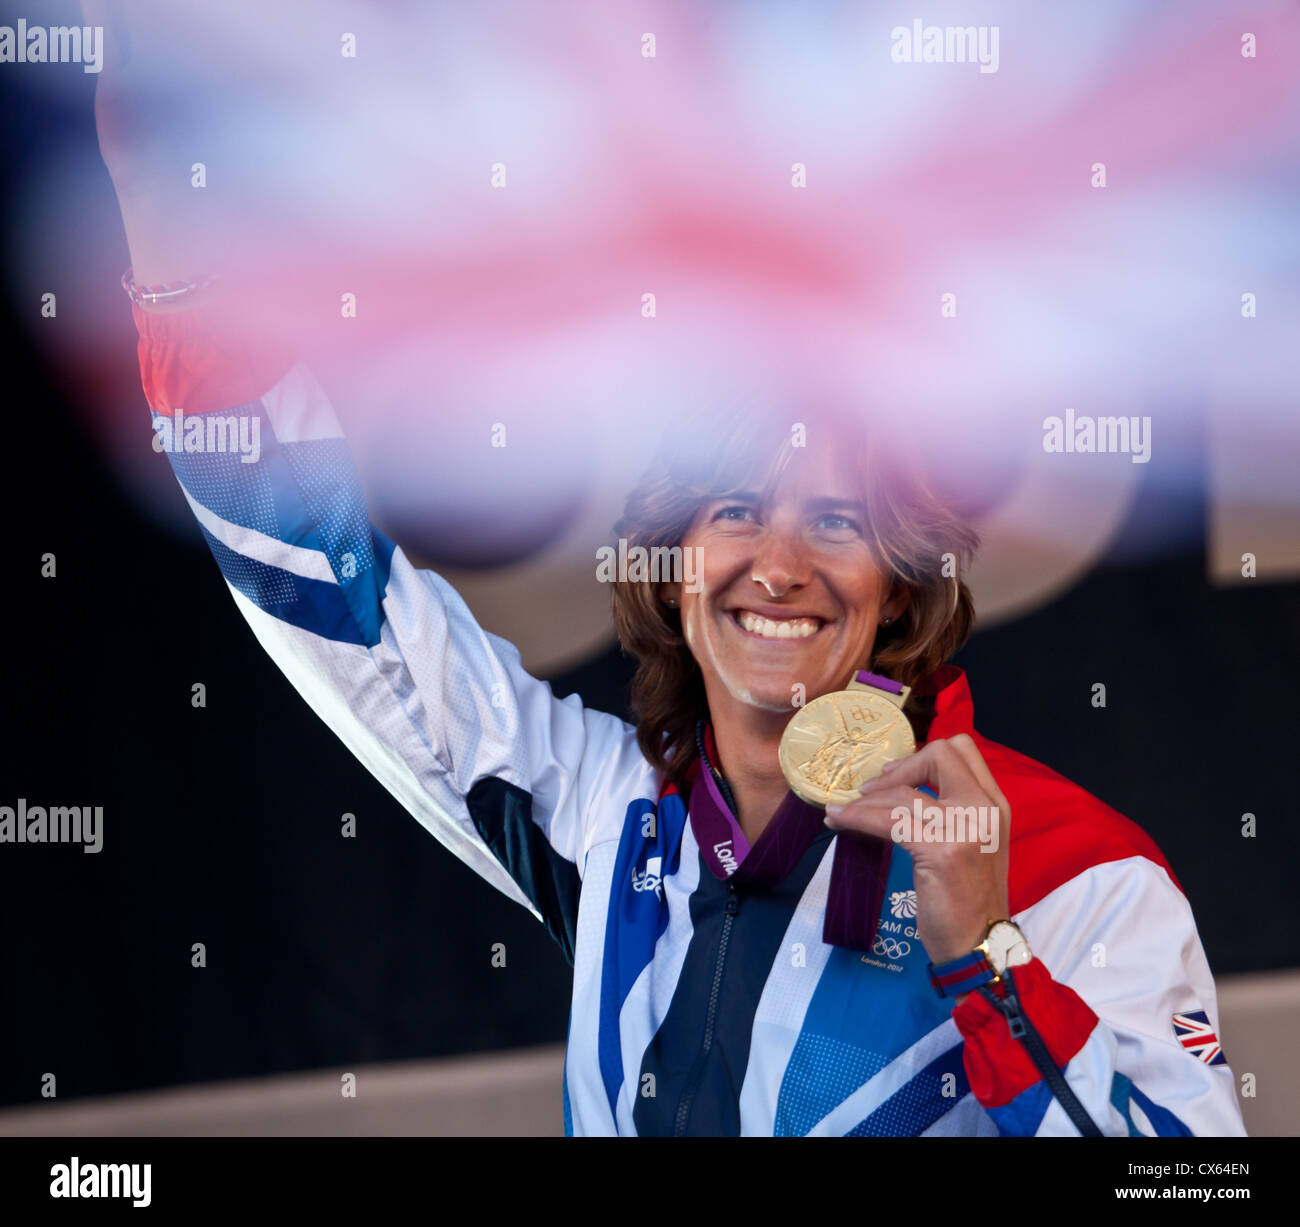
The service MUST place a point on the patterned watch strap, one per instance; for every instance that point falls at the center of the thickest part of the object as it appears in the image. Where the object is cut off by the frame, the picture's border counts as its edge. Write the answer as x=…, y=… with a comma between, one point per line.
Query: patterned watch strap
x=962, y=975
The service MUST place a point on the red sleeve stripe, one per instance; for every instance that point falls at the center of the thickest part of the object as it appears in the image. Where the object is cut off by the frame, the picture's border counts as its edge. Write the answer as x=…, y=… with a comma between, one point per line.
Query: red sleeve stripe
x=188, y=360
x=998, y=1065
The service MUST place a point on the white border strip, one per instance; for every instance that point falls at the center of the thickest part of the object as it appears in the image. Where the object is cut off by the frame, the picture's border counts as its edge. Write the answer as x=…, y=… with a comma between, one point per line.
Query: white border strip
x=249, y=543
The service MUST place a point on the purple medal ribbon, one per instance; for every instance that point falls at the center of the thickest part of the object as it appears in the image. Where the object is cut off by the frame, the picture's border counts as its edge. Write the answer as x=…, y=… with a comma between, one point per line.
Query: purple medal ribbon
x=716, y=830
x=880, y=683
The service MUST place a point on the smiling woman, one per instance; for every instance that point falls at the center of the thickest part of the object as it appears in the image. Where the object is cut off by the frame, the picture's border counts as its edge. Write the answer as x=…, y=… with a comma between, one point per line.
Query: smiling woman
x=807, y=534
x=744, y=961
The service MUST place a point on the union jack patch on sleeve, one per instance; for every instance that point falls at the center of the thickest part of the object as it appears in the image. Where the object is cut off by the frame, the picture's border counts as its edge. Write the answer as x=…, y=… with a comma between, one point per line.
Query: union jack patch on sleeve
x=1194, y=1032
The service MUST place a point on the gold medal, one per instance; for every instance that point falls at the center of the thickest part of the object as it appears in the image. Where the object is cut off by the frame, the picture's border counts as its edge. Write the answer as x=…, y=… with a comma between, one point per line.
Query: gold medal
x=841, y=740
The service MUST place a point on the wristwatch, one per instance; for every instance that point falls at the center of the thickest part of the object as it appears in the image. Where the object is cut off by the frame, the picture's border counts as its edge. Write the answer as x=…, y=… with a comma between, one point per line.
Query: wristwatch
x=1004, y=946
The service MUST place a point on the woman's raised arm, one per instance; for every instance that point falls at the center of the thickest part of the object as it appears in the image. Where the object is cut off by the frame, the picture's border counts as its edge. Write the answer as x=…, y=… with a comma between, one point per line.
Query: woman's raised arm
x=518, y=784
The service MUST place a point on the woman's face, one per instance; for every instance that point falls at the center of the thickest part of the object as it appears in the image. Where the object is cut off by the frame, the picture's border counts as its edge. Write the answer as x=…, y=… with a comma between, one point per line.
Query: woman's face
x=788, y=592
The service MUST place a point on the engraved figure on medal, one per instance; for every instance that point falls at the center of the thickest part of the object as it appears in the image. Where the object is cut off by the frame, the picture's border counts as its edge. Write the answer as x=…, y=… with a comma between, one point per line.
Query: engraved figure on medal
x=839, y=742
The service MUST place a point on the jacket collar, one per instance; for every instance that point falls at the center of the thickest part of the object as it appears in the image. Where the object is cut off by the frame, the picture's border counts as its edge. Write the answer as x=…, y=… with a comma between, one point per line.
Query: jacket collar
x=954, y=709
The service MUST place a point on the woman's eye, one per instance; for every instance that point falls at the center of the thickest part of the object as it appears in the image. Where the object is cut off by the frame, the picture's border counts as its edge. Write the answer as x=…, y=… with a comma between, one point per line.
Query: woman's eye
x=735, y=511
x=838, y=523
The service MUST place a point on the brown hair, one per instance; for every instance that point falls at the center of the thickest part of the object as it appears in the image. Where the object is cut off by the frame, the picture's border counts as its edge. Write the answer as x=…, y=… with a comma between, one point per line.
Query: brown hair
x=909, y=531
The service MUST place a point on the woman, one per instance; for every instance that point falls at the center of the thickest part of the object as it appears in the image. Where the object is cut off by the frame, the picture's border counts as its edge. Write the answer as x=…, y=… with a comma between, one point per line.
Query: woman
x=744, y=962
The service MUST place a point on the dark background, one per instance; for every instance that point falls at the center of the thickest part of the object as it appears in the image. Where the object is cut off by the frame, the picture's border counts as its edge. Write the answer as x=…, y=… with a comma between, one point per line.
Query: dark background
x=222, y=824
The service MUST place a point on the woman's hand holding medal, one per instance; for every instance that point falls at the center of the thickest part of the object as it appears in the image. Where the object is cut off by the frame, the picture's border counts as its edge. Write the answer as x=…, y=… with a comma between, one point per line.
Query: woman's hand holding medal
x=960, y=862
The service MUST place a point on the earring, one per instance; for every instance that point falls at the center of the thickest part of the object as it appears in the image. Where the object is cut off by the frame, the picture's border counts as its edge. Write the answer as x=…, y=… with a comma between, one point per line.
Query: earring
x=672, y=602
x=885, y=621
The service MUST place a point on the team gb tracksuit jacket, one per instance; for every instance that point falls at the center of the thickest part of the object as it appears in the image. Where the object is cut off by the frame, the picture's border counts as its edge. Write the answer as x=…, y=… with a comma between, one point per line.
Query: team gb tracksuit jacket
x=702, y=1004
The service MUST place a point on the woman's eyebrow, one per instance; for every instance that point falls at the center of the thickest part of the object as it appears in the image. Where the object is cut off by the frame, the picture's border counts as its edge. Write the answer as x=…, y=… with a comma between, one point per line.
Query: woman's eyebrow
x=823, y=503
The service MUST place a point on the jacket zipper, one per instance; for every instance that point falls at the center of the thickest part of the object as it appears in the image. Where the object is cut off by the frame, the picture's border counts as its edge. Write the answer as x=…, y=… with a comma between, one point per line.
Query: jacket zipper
x=684, y=1107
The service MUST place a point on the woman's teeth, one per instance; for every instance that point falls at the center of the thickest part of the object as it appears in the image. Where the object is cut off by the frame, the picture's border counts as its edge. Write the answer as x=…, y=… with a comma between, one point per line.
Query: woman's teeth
x=792, y=628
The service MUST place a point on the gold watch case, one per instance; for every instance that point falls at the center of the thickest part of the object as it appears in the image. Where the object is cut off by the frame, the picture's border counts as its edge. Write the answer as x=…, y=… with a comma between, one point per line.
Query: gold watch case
x=1004, y=946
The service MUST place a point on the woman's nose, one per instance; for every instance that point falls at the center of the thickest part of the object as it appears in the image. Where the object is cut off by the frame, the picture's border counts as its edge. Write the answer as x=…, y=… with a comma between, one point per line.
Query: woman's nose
x=778, y=564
